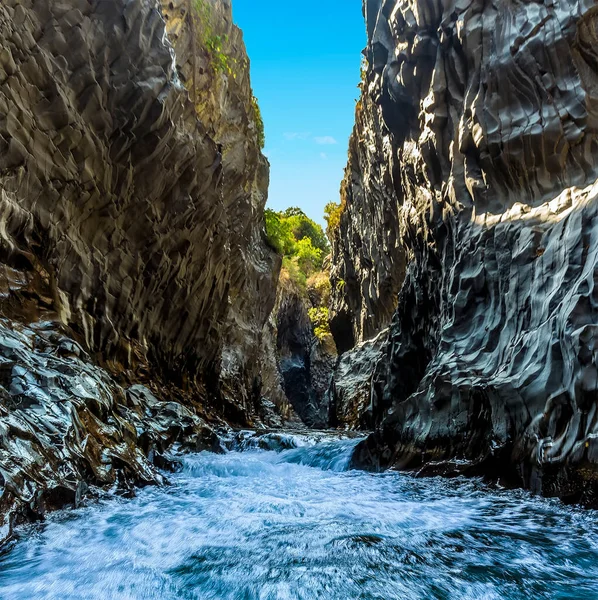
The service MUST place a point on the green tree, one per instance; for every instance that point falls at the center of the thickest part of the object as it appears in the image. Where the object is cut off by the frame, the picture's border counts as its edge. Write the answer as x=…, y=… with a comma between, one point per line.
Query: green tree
x=302, y=227
x=309, y=258
x=293, y=211
x=279, y=234
x=301, y=242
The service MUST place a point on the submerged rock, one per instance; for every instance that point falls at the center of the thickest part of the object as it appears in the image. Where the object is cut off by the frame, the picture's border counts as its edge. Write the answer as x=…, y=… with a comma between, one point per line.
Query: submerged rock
x=474, y=162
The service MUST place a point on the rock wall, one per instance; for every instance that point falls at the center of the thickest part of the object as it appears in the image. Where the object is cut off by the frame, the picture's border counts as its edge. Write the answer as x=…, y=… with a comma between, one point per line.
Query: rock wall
x=485, y=119
x=368, y=267
x=220, y=88
x=351, y=394
x=305, y=363
x=131, y=225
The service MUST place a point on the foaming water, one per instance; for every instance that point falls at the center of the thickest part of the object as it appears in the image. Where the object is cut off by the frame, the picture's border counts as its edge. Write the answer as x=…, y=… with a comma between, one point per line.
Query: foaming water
x=295, y=524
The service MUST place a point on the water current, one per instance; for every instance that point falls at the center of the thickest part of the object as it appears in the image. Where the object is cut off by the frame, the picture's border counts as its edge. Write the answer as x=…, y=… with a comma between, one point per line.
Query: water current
x=296, y=524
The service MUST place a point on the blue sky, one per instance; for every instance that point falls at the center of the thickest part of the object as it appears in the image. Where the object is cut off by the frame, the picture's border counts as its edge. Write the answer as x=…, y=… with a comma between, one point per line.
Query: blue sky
x=305, y=59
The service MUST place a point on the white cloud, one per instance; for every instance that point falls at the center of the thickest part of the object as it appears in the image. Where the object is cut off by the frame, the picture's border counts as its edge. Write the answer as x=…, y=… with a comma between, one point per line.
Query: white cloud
x=295, y=135
x=326, y=140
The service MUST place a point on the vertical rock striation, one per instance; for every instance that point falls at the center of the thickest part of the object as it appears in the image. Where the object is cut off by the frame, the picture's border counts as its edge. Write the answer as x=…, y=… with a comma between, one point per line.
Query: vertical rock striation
x=306, y=363
x=369, y=262
x=213, y=64
x=481, y=124
x=131, y=224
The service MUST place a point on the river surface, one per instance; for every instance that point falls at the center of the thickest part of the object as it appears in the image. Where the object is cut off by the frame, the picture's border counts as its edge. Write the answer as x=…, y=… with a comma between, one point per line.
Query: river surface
x=295, y=524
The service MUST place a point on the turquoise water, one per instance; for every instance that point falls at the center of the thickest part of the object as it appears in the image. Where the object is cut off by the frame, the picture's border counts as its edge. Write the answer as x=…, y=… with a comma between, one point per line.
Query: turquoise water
x=296, y=525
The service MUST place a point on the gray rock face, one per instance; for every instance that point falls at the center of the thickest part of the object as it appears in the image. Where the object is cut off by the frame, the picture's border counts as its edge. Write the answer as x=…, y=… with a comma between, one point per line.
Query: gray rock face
x=150, y=239
x=131, y=224
x=489, y=143
x=305, y=364
x=223, y=99
x=351, y=393
x=369, y=262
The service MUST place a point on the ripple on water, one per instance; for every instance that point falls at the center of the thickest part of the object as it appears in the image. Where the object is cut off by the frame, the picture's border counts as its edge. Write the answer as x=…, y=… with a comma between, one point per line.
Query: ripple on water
x=295, y=524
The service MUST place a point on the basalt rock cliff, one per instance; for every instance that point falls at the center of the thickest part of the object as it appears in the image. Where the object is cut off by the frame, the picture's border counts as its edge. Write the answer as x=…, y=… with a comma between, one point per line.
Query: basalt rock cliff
x=135, y=285
x=306, y=363
x=472, y=187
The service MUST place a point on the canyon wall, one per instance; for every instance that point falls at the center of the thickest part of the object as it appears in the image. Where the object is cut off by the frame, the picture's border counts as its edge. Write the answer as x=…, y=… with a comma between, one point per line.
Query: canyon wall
x=306, y=363
x=476, y=152
x=369, y=261
x=132, y=189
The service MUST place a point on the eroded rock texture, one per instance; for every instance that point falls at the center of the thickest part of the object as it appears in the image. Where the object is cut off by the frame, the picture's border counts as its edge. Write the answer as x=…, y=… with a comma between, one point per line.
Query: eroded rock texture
x=221, y=91
x=369, y=262
x=131, y=220
x=351, y=393
x=485, y=122
x=305, y=363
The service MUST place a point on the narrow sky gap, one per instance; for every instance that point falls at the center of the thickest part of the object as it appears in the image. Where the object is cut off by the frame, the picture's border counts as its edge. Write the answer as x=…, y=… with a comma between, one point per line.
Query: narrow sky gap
x=305, y=61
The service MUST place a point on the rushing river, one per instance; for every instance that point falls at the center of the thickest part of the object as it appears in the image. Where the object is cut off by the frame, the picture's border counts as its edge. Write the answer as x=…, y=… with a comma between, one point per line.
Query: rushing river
x=296, y=524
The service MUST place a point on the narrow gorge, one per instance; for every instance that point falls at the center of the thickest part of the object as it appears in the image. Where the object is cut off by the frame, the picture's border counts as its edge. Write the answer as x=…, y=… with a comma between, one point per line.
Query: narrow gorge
x=204, y=397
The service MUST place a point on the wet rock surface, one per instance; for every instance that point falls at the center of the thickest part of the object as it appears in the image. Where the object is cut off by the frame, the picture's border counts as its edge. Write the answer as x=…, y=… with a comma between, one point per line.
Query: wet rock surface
x=66, y=425
x=135, y=286
x=484, y=119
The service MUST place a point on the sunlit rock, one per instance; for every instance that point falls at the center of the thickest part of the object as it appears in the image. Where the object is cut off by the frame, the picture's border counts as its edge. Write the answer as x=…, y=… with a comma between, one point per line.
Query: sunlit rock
x=473, y=165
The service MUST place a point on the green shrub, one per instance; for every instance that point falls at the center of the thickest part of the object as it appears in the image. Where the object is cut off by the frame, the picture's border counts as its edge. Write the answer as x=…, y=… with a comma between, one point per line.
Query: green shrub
x=278, y=234
x=293, y=272
x=319, y=288
x=332, y=215
x=303, y=245
x=259, y=122
x=292, y=233
x=303, y=227
x=309, y=258
x=319, y=317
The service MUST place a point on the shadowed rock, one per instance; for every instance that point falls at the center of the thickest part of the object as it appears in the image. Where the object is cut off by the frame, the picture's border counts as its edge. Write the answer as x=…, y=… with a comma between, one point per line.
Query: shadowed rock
x=305, y=363
x=131, y=224
x=351, y=393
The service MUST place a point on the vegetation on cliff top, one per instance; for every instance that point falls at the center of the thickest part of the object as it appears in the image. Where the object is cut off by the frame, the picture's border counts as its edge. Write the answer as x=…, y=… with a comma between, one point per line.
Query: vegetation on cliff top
x=332, y=214
x=210, y=39
x=259, y=122
x=214, y=44
x=301, y=242
x=303, y=246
